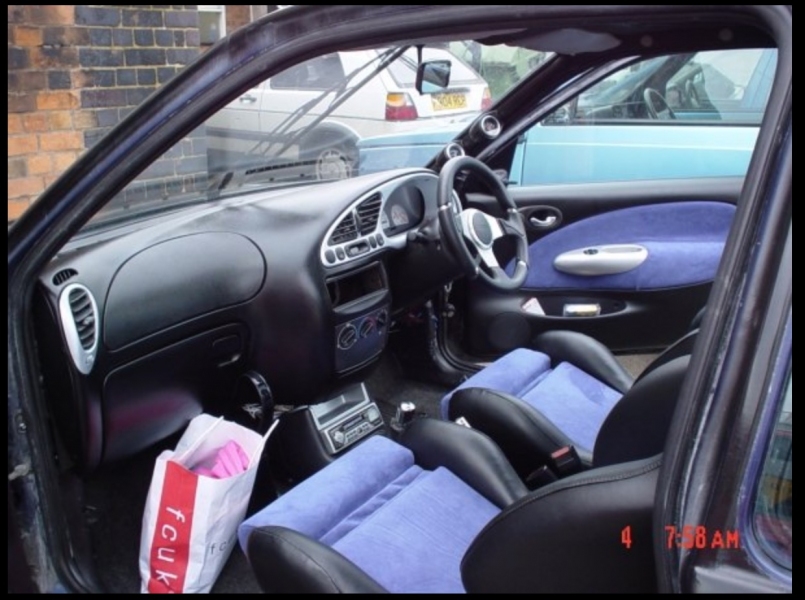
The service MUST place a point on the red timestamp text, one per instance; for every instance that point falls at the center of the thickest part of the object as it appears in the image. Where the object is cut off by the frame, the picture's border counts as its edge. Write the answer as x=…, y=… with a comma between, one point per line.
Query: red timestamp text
x=689, y=537
x=699, y=537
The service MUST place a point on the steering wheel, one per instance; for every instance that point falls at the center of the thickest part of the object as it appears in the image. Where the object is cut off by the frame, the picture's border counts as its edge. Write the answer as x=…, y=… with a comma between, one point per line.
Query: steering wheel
x=692, y=94
x=652, y=98
x=470, y=233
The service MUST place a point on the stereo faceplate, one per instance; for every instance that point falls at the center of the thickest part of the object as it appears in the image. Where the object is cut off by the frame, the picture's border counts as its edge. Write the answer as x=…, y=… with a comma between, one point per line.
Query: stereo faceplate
x=346, y=419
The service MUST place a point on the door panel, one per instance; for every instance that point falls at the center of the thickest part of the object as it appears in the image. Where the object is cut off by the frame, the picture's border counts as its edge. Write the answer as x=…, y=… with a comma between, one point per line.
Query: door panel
x=683, y=240
x=681, y=224
x=632, y=186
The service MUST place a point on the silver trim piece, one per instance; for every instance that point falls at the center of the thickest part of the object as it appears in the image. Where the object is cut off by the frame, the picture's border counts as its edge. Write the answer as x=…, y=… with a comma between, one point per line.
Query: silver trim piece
x=484, y=250
x=83, y=359
x=546, y=222
x=495, y=129
x=397, y=241
x=450, y=146
x=363, y=407
x=581, y=310
x=601, y=260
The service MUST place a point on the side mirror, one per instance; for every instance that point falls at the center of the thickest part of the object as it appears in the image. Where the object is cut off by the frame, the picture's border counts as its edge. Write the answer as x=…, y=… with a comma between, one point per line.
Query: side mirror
x=433, y=76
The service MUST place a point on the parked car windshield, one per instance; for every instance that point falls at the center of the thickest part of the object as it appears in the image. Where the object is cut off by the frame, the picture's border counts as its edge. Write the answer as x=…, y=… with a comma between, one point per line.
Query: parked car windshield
x=305, y=124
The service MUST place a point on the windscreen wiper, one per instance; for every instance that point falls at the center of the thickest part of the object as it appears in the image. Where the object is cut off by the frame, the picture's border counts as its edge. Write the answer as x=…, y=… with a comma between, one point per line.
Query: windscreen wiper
x=342, y=93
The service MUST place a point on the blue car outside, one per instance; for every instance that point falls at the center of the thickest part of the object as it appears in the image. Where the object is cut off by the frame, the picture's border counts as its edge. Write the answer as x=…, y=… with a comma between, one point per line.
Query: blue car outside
x=706, y=126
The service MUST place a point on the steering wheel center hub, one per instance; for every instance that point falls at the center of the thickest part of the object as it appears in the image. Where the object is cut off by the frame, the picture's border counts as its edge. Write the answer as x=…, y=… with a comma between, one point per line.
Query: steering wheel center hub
x=480, y=230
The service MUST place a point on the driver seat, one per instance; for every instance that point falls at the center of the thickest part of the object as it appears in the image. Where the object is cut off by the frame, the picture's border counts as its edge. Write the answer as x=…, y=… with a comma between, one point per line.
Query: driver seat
x=534, y=403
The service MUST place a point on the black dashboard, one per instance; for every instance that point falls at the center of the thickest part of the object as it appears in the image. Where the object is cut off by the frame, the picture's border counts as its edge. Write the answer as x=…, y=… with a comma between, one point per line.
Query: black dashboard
x=143, y=326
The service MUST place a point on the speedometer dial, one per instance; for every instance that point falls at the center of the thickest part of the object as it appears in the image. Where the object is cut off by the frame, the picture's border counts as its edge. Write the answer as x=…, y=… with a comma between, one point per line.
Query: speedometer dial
x=399, y=216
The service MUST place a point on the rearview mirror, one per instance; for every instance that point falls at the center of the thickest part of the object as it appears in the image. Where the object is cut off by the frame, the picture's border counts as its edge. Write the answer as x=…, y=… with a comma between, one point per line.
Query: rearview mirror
x=433, y=76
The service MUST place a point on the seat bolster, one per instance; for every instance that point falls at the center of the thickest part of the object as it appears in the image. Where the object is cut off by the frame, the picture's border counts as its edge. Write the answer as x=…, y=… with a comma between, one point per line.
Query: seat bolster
x=638, y=425
x=682, y=347
x=526, y=437
x=513, y=373
x=586, y=353
x=285, y=561
x=566, y=537
x=468, y=454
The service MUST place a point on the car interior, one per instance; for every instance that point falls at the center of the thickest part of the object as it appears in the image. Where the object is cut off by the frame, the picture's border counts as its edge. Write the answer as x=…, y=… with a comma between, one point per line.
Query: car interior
x=472, y=381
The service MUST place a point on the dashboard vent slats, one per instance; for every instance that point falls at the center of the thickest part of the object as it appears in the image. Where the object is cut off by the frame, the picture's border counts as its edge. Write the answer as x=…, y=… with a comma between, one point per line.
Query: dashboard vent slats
x=345, y=231
x=368, y=213
x=63, y=275
x=83, y=316
x=79, y=318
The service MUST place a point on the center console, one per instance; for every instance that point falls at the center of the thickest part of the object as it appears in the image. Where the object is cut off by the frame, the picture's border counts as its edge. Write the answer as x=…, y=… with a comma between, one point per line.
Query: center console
x=360, y=301
x=310, y=437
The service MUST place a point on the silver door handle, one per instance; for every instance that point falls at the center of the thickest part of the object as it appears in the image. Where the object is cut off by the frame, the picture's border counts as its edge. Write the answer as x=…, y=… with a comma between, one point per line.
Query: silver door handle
x=608, y=259
x=546, y=222
x=247, y=98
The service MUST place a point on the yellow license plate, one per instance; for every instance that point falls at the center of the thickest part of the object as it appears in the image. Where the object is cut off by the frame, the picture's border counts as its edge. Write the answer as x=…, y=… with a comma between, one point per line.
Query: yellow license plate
x=448, y=101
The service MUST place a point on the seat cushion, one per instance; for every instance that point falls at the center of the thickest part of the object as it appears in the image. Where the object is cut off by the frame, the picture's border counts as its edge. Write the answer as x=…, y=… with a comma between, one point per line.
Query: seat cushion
x=406, y=527
x=575, y=402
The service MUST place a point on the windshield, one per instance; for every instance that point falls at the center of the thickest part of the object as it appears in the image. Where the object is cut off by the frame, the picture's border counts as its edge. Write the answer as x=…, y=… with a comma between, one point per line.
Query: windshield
x=330, y=117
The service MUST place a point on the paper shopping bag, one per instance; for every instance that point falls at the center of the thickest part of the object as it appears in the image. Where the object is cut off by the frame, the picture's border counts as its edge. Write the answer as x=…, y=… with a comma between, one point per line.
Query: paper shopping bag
x=195, y=504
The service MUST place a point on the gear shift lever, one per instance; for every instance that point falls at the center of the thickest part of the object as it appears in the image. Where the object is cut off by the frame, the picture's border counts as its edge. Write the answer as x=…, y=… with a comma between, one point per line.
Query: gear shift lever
x=406, y=412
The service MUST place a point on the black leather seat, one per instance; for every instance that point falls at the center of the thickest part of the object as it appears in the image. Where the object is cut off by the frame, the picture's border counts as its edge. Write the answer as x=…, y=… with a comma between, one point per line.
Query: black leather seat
x=535, y=402
x=444, y=511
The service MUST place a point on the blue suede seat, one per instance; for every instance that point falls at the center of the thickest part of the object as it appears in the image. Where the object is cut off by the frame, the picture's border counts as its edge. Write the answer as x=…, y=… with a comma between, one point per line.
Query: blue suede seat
x=406, y=527
x=563, y=392
x=441, y=509
x=572, y=400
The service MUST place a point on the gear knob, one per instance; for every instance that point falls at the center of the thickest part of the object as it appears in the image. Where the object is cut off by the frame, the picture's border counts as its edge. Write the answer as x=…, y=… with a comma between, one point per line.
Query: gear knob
x=406, y=412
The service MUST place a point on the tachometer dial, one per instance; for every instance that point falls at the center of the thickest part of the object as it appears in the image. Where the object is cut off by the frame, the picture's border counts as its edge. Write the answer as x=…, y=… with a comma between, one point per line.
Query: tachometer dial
x=399, y=216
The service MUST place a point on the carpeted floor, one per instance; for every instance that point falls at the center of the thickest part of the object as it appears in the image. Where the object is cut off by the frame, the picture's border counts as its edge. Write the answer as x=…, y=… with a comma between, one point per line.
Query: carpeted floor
x=635, y=363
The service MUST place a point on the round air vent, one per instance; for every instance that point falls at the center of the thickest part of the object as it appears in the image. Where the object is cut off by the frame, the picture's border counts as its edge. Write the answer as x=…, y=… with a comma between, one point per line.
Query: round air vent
x=79, y=319
x=490, y=126
x=452, y=150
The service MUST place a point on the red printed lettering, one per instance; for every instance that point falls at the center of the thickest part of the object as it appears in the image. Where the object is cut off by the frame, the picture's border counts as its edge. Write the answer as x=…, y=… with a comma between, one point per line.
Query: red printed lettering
x=170, y=547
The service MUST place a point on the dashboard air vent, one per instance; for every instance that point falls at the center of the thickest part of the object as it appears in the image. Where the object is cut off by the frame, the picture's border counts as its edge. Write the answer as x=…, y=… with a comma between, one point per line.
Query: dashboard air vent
x=63, y=275
x=83, y=316
x=368, y=213
x=345, y=231
x=79, y=317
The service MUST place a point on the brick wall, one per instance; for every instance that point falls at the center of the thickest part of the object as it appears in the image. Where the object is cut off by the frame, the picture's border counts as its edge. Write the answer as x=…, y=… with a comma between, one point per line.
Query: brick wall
x=237, y=15
x=74, y=72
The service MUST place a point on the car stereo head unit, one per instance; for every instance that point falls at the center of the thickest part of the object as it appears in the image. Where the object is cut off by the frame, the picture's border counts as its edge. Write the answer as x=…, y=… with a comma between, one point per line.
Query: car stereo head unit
x=346, y=419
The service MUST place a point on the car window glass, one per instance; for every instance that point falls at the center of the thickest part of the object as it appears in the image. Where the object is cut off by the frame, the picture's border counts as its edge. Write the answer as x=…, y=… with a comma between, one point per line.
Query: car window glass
x=678, y=116
x=334, y=116
x=728, y=86
x=772, y=515
x=319, y=73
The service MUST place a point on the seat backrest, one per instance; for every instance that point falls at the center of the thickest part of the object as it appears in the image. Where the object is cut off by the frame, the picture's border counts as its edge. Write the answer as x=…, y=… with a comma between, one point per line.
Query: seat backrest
x=587, y=533
x=637, y=427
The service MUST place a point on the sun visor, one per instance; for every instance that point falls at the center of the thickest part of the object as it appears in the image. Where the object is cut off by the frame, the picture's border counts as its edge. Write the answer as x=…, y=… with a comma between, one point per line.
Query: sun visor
x=568, y=41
